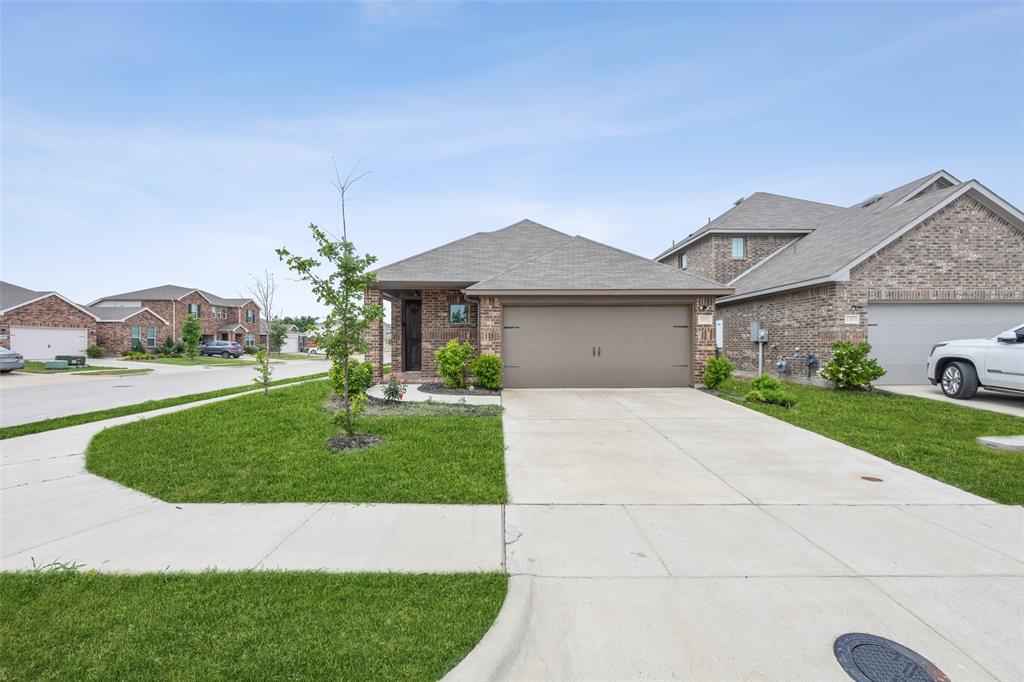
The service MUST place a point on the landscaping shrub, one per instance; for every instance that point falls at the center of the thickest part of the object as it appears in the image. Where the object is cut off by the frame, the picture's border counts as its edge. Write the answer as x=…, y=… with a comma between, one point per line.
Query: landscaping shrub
x=487, y=370
x=453, y=362
x=772, y=396
x=850, y=366
x=766, y=381
x=394, y=391
x=133, y=355
x=718, y=371
x=94, y=352
x=251, y=350
x=360, y=377
x=137, y=347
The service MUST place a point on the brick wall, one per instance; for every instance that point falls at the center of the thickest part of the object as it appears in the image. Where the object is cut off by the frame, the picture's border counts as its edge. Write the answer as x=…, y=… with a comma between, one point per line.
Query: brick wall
x=48, y=312
x=116, y=337
x=490, y=326
x=712, y=255
x=176, y=312
x=703, y=337
x=963, y=253
x=374, y=335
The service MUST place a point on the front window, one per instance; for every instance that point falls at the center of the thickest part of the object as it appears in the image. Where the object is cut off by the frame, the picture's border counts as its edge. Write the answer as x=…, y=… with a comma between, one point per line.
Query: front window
x=250, y=340
x=682, y=261
x=194, y=309
x=739, y=248
x=151, y=336
x=458, y=313
x=136, y=334
x=220, y=312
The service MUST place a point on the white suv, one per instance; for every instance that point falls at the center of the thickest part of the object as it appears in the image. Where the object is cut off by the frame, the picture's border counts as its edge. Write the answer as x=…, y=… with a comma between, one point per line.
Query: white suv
x=961, y=366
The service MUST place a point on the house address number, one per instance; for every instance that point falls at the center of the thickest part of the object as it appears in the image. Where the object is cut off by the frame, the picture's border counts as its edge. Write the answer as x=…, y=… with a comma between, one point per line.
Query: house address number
x=705, y=319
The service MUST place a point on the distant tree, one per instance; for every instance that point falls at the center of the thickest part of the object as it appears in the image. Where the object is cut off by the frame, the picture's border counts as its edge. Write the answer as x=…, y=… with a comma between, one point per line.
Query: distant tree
x=278, y=330
x=191, y=332
x=302, y=322
x=263, y=292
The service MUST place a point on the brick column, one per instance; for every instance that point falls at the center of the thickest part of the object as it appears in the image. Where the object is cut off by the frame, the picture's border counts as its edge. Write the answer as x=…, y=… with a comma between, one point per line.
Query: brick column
x=703, y=336
x=375, y=334
x=490, y=325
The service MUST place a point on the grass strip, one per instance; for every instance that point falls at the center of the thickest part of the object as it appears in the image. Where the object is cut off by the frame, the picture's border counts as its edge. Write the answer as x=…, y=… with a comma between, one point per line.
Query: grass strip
x=252, y=625
x=100, y=415
x=931, y=437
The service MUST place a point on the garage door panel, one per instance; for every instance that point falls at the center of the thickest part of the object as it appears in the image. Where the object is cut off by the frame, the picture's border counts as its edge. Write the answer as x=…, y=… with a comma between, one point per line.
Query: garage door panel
x=554, y=346
x=44, y=343
x=902, y=334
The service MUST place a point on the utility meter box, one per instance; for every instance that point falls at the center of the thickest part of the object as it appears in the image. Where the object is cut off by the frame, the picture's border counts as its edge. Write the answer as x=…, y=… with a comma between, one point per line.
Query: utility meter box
x=757, y=334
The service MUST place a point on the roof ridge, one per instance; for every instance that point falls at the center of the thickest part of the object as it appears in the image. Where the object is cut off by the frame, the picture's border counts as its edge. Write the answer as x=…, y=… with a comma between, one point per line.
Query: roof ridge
x=786, y=196
x=646, y=260
x=531, y=222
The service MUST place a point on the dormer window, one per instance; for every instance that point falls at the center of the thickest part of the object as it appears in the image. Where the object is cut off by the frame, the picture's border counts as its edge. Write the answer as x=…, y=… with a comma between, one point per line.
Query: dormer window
x=682, y=261
x=739, y=248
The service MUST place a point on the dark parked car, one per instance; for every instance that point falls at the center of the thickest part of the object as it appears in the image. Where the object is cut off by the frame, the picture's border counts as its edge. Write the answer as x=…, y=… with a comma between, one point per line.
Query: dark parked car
x=225, y=349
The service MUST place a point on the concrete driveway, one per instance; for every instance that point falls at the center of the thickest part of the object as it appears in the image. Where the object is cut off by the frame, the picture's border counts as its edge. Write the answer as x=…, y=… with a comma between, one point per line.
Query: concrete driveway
x=664, y=534
x=28, y=400
x=993, y=401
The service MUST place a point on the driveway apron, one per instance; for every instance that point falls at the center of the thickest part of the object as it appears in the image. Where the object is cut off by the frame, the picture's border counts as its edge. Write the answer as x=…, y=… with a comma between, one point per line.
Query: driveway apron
x=668, y=534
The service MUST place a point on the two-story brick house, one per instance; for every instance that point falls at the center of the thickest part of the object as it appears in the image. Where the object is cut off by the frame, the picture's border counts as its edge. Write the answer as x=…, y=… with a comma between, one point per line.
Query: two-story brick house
x=228, y=319
x=932, y=260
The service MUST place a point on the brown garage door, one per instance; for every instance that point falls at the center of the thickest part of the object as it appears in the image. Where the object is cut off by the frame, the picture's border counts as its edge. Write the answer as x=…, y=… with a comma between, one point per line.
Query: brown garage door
x=596, y=346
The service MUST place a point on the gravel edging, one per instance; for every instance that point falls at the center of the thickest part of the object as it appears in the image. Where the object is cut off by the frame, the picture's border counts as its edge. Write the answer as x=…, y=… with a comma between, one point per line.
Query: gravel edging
x=439, y=389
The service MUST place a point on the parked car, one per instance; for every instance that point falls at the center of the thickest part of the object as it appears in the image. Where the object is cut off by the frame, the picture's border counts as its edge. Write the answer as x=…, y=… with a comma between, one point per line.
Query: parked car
x=315, y=350
x=960, y=367
x=225, y=349
x=9, y=360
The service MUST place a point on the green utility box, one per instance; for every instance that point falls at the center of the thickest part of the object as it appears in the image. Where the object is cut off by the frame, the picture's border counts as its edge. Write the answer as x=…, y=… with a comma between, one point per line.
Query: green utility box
x=72, y=360
x=57, y=364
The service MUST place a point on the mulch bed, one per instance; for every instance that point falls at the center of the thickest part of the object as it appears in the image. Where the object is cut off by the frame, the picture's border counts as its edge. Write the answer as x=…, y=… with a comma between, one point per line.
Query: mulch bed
x=439, y=389
x=341, y=442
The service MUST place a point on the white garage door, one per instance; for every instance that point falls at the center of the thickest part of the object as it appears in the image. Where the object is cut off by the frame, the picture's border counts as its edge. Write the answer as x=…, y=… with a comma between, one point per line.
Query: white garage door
x=902, y=334
x=43, y=343
x=596, y=346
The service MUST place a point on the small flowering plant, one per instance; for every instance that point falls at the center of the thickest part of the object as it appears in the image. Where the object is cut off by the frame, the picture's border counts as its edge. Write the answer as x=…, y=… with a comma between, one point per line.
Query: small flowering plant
x=851, y=367
x=394, y=390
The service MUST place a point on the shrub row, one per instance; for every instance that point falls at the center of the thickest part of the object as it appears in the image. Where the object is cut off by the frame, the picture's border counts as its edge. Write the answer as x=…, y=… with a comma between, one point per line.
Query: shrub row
x=455, y=363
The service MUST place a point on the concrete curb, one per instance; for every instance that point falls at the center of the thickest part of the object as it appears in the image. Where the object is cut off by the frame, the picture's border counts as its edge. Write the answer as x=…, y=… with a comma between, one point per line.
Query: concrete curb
x=492, y=657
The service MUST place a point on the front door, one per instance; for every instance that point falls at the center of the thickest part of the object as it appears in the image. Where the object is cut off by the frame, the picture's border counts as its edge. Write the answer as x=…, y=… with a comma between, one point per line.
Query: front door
x=411, y=335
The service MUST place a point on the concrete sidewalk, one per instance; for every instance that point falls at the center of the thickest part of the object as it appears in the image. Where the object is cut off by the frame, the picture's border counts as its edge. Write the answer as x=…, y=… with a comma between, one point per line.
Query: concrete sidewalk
x=51, y=509
x=993, y=401
x=672, y=535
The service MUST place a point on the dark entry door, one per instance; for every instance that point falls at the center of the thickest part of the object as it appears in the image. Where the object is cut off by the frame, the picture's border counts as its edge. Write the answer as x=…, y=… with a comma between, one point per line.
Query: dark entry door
x=412, y=333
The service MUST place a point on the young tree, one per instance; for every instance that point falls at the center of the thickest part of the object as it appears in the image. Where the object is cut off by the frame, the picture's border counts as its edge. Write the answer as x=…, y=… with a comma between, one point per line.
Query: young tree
x=278, y=330
x=263, y=291
x=340, y=289
x=191, y=332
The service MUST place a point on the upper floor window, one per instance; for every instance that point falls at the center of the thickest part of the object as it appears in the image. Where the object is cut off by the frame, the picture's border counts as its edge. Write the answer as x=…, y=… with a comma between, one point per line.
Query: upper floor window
x=682, y=261
x=250, y=315
x=739, y=248
x=458, y=313
x=195, y=309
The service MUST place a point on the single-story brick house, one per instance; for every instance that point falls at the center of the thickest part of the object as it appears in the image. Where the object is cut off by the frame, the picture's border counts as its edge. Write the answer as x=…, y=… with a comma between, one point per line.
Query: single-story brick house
x=43, y=324
x=932, y=260
x=561, y=311
x=226, y=319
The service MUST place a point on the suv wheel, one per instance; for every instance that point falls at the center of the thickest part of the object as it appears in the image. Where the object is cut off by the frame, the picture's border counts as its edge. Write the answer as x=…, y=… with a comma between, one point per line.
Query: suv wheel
x=225, y=354
x=959, y=380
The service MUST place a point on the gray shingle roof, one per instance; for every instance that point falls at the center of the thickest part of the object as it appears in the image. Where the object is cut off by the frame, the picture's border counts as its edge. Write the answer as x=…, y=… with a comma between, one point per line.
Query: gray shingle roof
x=582, y=264
x=12, y=295
x=763, y=212
x=170, y=292
x=839, y=239
x=474, y=258
x=112, y=314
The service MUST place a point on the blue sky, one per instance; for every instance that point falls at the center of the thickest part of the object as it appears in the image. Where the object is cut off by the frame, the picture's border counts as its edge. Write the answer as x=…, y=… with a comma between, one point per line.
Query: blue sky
x=153, y=143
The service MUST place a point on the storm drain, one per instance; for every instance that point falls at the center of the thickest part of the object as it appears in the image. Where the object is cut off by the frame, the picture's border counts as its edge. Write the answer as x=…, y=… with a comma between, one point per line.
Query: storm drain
x=867, y=658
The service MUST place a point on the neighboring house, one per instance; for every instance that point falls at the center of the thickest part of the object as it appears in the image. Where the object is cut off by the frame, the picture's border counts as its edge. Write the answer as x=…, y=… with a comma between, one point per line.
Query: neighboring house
x=294, y=340
x=561, y=311
x=43, y=324
x=932, y=260
x=226, y=319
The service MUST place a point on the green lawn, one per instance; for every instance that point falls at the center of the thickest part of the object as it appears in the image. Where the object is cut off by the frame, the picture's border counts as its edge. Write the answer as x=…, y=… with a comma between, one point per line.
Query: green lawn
x=100, y=415
x=198, y=361
x=932, y=437
x=242, y=626
x=273, y=449
x=36, y=367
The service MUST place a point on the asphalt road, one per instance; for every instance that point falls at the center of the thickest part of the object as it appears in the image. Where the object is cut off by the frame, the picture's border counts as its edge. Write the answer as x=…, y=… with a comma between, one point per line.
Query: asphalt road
x=28, y=398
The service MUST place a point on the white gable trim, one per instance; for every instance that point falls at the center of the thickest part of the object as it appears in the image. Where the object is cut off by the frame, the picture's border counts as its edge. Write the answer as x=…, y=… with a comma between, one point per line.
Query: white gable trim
x=941, y=175
x=47, y=295
x=978, y=191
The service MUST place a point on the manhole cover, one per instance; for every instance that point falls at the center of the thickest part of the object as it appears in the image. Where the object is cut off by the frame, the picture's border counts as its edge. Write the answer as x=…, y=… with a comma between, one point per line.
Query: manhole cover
x=867, y=658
